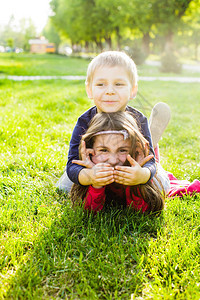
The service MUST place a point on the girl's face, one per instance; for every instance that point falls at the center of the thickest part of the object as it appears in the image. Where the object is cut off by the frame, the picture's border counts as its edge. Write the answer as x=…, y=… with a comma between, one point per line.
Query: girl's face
x=111, y=149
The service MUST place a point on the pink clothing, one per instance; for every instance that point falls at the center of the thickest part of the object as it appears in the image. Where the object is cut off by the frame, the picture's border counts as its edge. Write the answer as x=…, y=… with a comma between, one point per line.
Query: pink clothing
x=95, y=198
x=182, y=187
x=178, y=187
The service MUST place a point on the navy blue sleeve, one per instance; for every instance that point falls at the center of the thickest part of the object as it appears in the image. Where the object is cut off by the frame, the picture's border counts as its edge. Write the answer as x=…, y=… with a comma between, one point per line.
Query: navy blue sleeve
x=80, y=128
x=144, y=129
x=151, y=164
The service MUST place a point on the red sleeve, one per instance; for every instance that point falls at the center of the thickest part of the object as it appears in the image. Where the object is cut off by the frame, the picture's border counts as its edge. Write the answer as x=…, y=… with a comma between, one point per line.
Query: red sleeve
x=94, y=199
x=136, y=202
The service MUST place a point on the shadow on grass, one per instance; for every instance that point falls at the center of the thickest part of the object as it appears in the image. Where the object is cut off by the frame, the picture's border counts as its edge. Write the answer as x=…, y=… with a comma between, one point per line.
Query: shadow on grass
x=83, y=256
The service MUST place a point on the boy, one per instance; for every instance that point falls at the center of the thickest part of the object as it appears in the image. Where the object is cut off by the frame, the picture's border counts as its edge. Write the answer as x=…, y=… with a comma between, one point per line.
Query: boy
x=111, y=82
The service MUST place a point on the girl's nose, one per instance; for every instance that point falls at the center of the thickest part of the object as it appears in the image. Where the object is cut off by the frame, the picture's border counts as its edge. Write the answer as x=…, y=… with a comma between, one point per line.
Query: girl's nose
x=113, y=160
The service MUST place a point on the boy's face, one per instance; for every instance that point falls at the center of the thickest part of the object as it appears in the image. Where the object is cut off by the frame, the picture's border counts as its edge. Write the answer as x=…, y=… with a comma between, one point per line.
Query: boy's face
x=111, y=89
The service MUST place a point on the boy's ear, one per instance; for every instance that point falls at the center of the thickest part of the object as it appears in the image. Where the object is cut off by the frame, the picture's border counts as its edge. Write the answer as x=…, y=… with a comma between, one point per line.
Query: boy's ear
x=88, y=91
x=134, y=91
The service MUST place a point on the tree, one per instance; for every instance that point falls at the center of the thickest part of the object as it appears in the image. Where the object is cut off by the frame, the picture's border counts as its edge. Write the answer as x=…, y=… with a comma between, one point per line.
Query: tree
x=90, y=20
x=86, y=21
x=19, y=34
x=168, y=16
x=28, y=31
x=192, y=19
x=141, y=19
x=113, y=18
x=51, y=33
x=10, y=43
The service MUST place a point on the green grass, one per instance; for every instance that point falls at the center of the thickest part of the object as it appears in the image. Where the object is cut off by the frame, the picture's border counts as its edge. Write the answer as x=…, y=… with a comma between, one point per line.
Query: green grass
x=46, y=64
x=48, y=250
x=52, y=64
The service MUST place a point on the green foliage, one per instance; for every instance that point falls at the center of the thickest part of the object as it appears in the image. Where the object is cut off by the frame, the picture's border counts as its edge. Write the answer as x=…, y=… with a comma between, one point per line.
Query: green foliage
x=10, y=42
x=48, y=250
x=169, y=63
x=99, y=21
x=19, y=37
x=51, y=33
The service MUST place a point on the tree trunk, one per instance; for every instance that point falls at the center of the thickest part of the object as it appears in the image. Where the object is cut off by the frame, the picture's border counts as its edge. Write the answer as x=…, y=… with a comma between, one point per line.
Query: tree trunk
x=99, y=45
x=196, y=51
x=169, y=47
x=86, y=46
x=145, y=43
x=109, y=42
x=118, y=38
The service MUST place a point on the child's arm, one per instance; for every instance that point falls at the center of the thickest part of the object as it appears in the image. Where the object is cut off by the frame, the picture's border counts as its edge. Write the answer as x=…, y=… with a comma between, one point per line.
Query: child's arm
x=73, y=154
x=144, y=129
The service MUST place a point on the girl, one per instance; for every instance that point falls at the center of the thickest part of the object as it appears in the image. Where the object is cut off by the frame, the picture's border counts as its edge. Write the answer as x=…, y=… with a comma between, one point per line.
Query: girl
x=112, y=147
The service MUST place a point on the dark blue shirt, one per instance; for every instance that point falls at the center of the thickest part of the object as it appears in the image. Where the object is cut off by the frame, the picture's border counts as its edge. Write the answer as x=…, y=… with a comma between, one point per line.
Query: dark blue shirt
x=82, y=126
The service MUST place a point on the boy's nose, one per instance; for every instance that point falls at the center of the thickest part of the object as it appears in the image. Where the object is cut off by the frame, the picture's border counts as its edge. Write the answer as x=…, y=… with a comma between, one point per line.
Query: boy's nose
x=110, y=90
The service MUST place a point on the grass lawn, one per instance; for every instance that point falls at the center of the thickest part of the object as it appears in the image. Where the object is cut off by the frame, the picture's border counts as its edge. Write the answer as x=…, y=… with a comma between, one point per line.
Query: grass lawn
x=52, y=64
x=46, y=64
x=48, y=250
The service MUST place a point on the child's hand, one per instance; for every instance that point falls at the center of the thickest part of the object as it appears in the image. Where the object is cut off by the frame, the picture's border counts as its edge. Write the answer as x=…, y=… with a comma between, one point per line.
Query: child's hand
x=132, y=175
x=98, y=176
x=140, y=157
x=85, y=154
x=143, y=160
x=102, y=175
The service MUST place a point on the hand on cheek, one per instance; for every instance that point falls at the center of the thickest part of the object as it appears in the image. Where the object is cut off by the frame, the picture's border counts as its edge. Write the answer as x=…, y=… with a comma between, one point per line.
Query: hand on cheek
x=132, y=175
x=85, y=154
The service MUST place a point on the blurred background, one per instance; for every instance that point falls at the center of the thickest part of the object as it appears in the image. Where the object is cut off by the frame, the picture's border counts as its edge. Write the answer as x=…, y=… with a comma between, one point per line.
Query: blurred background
x=148, y=30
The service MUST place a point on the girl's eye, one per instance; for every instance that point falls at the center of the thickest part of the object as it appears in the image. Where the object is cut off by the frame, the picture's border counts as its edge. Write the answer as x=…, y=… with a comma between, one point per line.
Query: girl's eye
x=103, y=150
x=99, y=84
x=119, y=84
x=123, y=151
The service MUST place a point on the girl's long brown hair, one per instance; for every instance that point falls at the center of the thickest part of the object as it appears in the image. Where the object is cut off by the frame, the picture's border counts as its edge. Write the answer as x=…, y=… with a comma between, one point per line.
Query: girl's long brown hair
x=120, y=121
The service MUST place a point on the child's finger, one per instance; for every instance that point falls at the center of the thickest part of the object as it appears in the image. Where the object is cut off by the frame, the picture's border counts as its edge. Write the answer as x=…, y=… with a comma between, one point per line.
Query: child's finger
x=104, y=168
x=146, y=159
x=131, y=160
x=105, y=181
x=104, y=165
x=83, y=150
x=103, y=174
x=80, y=162
x=89, y=151
x=120, y=170
x=121, y=180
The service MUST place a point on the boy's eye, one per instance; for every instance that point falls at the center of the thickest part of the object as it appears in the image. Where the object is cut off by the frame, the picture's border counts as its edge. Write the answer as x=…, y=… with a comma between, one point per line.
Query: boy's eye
x=119, y=84
x=99, y=84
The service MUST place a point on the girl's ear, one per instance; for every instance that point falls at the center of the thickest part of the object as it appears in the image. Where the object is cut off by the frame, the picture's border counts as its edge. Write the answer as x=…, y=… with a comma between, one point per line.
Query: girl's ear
x=134, y=91
x=89, y=91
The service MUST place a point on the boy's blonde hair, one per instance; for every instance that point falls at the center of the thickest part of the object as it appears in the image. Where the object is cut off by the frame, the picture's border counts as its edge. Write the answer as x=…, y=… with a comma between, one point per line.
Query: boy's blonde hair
x=112, y=59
